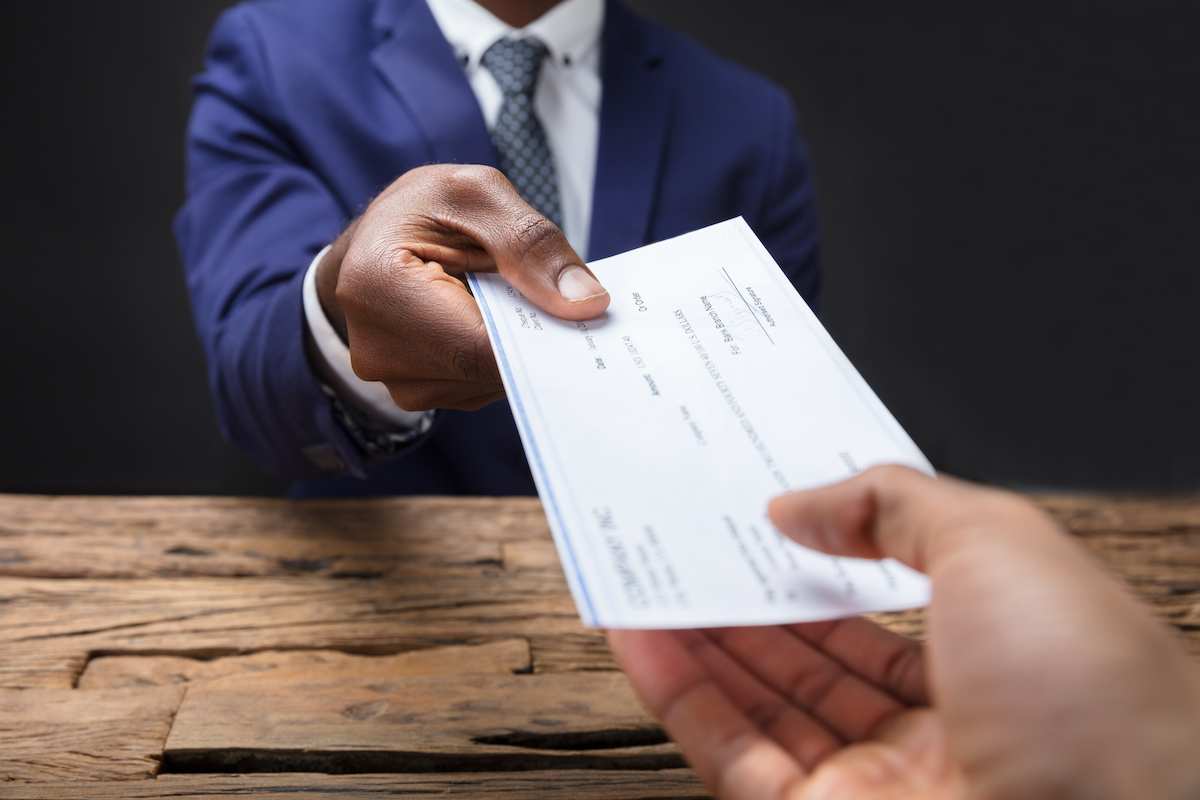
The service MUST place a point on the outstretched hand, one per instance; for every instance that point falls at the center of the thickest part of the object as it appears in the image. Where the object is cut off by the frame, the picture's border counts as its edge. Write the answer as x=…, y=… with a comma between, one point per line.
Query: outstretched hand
x=757, y=711
x=1042, y=677
x=392, y=284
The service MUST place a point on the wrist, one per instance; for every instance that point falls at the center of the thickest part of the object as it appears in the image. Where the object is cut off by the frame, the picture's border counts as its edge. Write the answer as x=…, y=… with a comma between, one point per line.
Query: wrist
x=327, y=274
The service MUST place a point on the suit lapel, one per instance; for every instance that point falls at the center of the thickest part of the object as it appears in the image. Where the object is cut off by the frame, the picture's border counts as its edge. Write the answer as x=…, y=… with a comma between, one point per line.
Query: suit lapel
x=418, y=63
x=634, y=119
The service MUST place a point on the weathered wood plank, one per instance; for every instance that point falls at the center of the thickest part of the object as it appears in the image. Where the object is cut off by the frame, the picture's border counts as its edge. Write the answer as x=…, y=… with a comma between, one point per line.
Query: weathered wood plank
x=551, y=785
x=49, y=627
x=65, y=735
x=531, y=554
x=420, y=724
x=117, y=537
x=1083, y=514
x=1153, y=543
x=143, y=537
x=1169, y=559
x=505, y=657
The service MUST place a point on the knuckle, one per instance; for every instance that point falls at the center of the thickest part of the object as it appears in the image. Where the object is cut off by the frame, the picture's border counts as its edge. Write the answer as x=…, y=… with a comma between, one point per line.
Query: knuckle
x=470, y=362
x=465, y=354
x=808, y=687
x=765, y=715
x=467, y=181
x=532, y=232
x=902, y=664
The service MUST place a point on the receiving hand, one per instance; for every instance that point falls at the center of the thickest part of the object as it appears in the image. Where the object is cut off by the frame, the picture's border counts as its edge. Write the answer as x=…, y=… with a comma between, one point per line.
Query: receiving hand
x=392, y=285
x=1042, y=677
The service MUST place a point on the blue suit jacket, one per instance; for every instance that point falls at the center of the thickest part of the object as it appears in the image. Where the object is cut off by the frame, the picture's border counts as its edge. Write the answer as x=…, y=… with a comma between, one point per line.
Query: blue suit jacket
x=307, y=108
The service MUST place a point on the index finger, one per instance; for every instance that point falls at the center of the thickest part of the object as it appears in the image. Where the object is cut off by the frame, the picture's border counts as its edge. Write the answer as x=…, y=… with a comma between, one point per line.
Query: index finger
x=732, y=755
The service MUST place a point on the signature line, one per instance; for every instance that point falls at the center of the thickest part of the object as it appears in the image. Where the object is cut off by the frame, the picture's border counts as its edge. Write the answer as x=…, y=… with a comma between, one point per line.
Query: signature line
x=748, y=306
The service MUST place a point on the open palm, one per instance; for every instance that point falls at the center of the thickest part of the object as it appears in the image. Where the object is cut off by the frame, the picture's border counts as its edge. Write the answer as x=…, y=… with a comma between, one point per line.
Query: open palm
x=769, y=712
x=1042, y=677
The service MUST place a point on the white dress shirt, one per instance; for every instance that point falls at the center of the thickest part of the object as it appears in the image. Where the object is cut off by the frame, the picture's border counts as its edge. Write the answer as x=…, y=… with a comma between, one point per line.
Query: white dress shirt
x=567, y=101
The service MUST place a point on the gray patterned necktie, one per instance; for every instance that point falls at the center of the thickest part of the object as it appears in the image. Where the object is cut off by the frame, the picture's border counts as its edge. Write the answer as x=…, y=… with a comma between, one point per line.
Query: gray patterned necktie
x=519, y=138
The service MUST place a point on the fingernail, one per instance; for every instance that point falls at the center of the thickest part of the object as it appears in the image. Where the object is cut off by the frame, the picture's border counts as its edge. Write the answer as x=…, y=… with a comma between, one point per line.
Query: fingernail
x=576, y=284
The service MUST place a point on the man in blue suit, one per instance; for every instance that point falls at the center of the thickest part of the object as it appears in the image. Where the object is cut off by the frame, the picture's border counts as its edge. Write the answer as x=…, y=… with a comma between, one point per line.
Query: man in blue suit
x=334, y=323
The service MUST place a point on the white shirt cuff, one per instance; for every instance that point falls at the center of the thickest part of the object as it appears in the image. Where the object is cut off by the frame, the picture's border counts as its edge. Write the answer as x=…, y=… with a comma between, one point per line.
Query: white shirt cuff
x=371, y=397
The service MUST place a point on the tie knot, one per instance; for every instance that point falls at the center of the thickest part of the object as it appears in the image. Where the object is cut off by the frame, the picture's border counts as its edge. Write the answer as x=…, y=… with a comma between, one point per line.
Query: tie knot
x=515, y=64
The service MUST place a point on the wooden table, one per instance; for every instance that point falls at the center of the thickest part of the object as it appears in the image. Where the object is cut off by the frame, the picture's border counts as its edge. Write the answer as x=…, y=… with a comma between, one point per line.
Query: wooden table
x=206, y=648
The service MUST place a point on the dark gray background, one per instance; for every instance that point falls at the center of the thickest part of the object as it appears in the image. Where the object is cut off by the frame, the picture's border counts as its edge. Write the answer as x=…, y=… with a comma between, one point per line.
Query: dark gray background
x=1009, y=193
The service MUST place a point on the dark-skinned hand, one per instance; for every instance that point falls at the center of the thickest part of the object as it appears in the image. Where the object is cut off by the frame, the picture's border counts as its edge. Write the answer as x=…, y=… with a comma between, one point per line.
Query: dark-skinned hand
x=392, y=284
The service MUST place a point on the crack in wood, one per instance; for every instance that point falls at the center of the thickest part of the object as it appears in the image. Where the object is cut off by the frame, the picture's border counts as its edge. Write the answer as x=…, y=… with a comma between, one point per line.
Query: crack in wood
x=183, y=550
x=504, y=656
x=245, y=761
x=609, y=739
x=217, y=653
x=578, y=785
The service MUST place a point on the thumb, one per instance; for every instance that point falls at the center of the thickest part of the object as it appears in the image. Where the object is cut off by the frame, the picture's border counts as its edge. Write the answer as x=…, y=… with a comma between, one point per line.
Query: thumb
x=539, y=262
x=896, y=512
x=537, y=259
x=528, y=250
x=910, y=759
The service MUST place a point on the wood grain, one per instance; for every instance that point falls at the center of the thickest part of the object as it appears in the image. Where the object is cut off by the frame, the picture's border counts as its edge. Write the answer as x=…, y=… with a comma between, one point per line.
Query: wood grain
x=530, y=555
x=1086, y=514
x=48, y=628
x=115, y=537
x=361, y=636
x=550, y=785
x=1152, y=544
x=60, y=735
x=419, y=724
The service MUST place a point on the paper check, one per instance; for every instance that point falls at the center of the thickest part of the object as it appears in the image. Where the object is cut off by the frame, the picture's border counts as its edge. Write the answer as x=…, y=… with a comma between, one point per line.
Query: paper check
x=658, y=432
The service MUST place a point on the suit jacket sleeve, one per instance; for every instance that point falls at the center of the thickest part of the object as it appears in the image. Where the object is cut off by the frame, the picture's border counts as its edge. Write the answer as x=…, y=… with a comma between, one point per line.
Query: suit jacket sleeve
x=254, y=218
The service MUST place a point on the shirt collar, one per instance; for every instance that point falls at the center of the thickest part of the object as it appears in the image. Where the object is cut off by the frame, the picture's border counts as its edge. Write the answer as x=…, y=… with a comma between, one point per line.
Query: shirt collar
x=570, y=30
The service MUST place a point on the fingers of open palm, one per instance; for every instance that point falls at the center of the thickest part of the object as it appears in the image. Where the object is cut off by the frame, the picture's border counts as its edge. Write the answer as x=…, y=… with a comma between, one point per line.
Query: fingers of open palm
x=894, y=663
x=790, y=668
x=730, y=753
x=789, y=723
